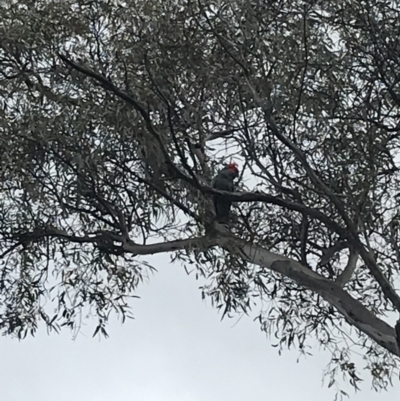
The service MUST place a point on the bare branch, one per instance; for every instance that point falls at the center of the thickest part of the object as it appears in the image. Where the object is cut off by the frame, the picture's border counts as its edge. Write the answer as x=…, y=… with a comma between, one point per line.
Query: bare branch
x=348, y=271
x=221, y=134
x=329, y=253
x=303, y=239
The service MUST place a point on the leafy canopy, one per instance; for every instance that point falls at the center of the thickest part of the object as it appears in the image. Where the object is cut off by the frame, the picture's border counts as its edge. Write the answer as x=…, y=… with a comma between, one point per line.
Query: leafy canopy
x=114, y=117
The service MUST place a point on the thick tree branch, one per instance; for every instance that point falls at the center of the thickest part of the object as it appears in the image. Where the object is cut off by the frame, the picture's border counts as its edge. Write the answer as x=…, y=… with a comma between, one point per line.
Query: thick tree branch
x=383, y=282
x=354, y=311
x=351, y=229
x=116, y=243
x=332, y=292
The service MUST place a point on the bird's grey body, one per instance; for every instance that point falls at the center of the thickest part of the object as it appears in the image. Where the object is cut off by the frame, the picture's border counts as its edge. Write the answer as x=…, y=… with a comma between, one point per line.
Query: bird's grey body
x=224, y=182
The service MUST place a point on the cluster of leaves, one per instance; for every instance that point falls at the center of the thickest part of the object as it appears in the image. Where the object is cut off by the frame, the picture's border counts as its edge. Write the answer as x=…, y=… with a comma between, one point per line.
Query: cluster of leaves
x=107, y=113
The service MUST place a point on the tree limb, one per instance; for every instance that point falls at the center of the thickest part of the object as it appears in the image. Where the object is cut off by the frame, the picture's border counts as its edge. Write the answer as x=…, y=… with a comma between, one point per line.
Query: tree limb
x=332, y=292
x=275, y=200
x=351, y=231
x=348, y=271
x=329, y=253
x=352, y=310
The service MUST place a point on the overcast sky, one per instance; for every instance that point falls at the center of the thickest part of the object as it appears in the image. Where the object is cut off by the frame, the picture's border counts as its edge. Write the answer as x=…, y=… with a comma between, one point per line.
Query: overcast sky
x=176, y=349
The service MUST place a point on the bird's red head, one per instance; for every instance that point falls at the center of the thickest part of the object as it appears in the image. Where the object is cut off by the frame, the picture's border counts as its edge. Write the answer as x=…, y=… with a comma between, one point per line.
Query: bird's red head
x=232, y=166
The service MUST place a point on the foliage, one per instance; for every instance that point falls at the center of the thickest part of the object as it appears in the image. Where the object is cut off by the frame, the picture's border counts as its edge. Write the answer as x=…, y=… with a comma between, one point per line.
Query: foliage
x=115, y=116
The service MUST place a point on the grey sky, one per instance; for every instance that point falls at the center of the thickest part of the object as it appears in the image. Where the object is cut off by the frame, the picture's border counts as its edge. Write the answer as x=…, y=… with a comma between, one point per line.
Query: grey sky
x=176, y=349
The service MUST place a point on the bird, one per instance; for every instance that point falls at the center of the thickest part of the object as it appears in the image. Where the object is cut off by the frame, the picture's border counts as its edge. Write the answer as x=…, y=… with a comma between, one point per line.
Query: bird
x=224, y=182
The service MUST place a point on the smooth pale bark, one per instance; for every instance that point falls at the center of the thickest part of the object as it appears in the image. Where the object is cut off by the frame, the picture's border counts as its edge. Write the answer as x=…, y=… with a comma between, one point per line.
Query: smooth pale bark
x=353, y=310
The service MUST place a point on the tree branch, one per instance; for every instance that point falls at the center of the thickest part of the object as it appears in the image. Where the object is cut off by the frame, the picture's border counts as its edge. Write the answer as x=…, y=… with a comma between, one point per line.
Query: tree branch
x=275, y=200
x=333, y=293
x=348, y=271
x=243, y=197
x=107, y=85
x=351, y=231
x=353, y=310
x=368, y=258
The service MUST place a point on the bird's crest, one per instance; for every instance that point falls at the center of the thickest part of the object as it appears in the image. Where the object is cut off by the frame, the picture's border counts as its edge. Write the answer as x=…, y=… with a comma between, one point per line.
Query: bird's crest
x=233, y=166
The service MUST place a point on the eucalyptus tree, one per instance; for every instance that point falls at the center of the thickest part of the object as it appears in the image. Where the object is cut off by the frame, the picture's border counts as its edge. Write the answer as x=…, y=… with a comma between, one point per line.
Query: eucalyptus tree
x=115, y=116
